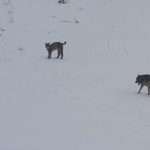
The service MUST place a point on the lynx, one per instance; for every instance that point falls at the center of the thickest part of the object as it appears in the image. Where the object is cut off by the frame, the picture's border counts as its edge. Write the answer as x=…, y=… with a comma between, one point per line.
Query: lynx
x=55, y=46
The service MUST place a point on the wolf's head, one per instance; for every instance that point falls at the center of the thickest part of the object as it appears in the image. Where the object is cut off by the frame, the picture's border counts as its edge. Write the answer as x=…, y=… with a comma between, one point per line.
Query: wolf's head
x=138, y=80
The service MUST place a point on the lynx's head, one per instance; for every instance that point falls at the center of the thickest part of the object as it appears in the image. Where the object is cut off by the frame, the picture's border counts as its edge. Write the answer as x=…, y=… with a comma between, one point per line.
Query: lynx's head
x=47, y=45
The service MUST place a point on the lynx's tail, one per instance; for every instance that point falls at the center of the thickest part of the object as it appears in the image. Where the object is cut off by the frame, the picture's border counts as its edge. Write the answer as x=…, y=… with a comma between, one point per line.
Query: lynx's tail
x=64, y=43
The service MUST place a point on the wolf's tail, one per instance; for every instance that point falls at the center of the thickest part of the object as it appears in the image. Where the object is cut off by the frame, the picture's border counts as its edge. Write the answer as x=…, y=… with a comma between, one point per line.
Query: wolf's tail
x=64, y=43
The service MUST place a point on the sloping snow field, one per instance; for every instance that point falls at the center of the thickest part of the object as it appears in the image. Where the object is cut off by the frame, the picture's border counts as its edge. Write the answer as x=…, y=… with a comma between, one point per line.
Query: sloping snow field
x=86, y=101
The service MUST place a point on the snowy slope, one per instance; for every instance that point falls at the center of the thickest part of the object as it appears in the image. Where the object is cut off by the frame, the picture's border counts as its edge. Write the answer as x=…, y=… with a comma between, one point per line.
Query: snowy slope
x=88, y=100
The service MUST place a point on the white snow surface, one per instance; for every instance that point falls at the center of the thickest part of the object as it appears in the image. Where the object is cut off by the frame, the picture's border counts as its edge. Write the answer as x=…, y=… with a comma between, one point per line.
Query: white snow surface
x=86, y=101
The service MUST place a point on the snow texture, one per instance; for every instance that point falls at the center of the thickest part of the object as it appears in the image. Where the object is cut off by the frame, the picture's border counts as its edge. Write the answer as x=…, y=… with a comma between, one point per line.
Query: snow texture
x=86, y=101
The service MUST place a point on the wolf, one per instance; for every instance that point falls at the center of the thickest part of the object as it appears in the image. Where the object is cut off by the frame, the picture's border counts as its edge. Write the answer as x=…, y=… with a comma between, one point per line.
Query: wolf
x=143, y=80
x=55, y=46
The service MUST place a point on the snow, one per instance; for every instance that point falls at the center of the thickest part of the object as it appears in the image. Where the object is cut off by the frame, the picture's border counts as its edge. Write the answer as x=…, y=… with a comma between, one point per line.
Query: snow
x=88, y=100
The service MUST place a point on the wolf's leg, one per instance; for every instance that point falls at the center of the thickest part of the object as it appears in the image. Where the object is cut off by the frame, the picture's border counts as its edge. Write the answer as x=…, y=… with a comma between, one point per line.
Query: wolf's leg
x=140, y=88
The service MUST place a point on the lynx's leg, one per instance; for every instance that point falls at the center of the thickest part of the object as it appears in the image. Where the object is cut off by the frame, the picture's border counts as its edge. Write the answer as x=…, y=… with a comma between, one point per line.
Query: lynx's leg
x=49, y=55
x=140, y=88
x=148, y=90
x=61, y=52
x=58, y=53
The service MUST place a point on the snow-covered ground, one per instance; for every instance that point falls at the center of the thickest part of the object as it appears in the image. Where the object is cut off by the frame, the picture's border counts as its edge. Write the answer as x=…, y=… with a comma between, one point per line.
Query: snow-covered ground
x=88, y=100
